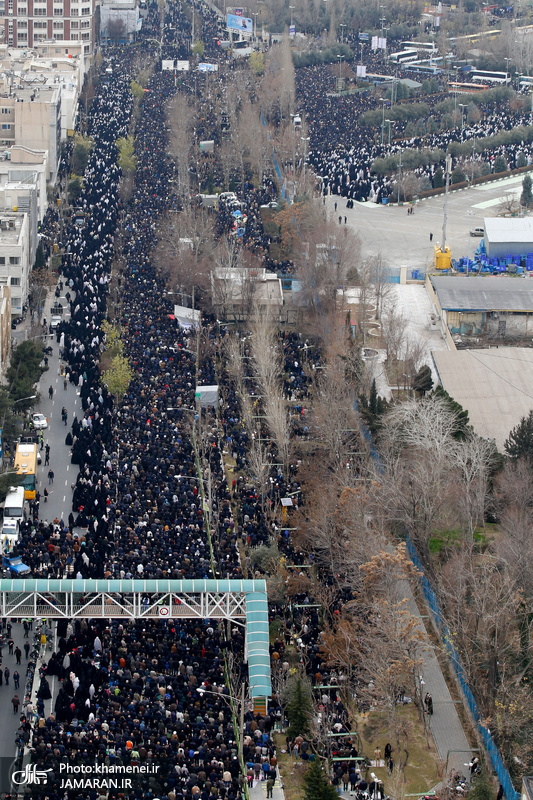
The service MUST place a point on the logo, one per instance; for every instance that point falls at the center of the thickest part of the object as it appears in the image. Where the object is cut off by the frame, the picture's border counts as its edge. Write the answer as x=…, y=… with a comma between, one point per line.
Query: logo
x=30, y=775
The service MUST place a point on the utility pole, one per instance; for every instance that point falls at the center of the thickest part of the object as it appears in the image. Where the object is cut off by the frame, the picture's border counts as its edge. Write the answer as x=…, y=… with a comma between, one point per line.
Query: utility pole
x=448, y=171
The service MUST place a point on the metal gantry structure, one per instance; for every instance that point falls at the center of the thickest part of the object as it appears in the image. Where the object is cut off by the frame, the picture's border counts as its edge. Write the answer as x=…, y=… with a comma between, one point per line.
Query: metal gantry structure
x=243, y=602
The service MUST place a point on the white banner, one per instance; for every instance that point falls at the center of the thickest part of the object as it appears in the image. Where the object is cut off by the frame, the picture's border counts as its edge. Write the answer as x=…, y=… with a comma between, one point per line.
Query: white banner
x=374, y=44
x=182, y=66
x=361, y=71
x=382, y=43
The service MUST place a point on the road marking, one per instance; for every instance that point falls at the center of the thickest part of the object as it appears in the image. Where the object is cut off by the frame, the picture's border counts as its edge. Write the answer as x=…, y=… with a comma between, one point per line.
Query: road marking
x=64, y=498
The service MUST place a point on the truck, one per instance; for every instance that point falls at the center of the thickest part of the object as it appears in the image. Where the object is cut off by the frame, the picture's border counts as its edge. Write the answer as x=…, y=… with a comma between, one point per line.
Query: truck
x=14, y=513
x=15, y=566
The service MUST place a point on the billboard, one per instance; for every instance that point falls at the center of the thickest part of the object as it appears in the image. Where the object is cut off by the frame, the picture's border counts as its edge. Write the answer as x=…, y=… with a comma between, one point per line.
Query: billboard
x=292, y=30
x=170, y=64
x=364, y=37
x=205, y=67
x=236, y=23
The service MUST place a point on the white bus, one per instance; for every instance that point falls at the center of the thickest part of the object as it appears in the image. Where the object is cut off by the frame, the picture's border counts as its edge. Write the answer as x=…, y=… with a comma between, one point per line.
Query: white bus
x=404, y=56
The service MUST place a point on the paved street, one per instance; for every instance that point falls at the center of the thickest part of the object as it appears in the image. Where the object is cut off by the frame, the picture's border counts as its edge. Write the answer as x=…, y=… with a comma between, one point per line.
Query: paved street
x=65, y=473
x=10, y=721
x=404, y=240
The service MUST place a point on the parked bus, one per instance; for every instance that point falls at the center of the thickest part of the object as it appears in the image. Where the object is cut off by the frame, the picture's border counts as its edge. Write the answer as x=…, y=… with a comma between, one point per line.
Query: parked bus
x=487, y=76
x=467, y=88
x=26, y=464
x=424, y=47
x=404, y=56
x=424, y=68
x=525, y=81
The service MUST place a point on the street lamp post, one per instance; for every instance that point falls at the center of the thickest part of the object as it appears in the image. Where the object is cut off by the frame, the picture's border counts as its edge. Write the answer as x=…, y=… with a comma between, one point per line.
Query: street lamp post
x=238, y=726
x=342, y=26
x=462, y=106
x=388, y=121
x=383, y=123
x=340, y=57
x=291, y=10
x=399, y=175
x=469, y=212
x=254, y=15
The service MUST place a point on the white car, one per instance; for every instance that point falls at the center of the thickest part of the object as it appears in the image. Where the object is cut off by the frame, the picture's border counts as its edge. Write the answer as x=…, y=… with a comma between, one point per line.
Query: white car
x=39, y=421
x=54, y=322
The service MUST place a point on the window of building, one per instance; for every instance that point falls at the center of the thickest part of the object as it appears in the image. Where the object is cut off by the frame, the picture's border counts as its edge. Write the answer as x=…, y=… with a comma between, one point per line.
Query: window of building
x=15, y=281
x=22, y=36
x=57, y=26
x=39, y=12
x=22, y=11
x=6, y=126
x=74, y=24
x=15, y=302
x=22, y=23
x=86, y=23
x=2, y=260
x=74, y=37
x=58, y=12
x=5, y=110
x=85, y=11
x=40, y=25
x=14, y=260
x=86, y=37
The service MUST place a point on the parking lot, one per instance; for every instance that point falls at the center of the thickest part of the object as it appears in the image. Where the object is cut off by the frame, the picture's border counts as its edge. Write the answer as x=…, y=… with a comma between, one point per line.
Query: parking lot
x=405, y=240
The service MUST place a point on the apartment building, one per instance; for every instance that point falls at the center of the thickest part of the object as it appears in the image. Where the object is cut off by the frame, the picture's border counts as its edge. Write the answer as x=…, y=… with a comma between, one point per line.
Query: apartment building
x=15, y=257
x=26, y=23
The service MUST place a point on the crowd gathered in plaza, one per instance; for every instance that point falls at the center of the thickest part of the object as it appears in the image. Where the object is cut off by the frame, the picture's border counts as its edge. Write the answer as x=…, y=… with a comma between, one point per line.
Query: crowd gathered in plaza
x=343, y=149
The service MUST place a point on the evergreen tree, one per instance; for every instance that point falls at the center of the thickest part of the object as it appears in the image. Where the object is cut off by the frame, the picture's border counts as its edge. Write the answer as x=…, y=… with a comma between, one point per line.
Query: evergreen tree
x=438, y=178
x=423, y=382
x=500, y=164
x=317, y=785
x=373, y=401
x=299, y=710
x=520, y=441
x=461, y=414
x=526, y=198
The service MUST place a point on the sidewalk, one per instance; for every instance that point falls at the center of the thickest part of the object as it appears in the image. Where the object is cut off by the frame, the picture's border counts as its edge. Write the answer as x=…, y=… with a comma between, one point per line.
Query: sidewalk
x=445, y=724
x=259, y=790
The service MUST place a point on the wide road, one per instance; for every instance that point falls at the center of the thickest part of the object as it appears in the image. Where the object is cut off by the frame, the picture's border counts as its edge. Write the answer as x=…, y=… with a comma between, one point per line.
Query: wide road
x=405, y=240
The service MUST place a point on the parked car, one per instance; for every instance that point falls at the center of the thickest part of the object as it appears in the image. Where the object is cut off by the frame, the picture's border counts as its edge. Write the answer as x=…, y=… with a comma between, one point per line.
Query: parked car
x=15, y=566
x=477, y=231
x=54, y=322
x=39, y=421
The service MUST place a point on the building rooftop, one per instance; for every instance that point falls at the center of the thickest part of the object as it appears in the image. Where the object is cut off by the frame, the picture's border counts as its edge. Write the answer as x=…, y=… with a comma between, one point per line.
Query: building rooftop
x=483, y=293
x=508, y=230
x=494, y=385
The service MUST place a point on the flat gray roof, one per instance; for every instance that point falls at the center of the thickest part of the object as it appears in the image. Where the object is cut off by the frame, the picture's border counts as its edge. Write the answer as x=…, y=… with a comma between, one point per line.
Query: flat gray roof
x=495, y=386
x=483, y=293
x=508, y=230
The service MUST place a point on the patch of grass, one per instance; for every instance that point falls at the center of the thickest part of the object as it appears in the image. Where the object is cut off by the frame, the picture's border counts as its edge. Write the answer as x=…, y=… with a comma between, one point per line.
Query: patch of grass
x=292, y=771
x=423, y=770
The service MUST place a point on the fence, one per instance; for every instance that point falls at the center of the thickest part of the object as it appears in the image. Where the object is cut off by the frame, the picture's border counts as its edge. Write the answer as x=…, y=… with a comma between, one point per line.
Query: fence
x=497, y=763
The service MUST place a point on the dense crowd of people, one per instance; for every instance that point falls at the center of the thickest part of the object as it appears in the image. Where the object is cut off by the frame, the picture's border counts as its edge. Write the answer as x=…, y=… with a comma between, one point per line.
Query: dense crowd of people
x=342, y=151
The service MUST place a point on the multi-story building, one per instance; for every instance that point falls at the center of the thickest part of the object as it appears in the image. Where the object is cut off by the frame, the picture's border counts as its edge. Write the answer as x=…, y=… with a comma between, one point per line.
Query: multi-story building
x=31, y=117
x=26, y=23
x=15, y=257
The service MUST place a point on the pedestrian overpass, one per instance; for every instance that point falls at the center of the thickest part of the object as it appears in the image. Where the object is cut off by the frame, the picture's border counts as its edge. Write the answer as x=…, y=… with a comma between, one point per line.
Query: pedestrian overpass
x=242, y=602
